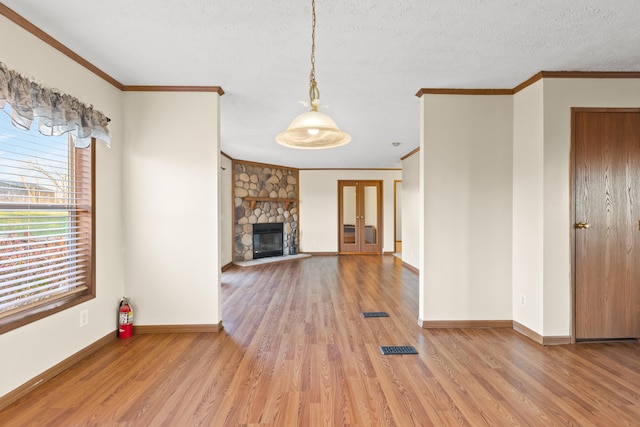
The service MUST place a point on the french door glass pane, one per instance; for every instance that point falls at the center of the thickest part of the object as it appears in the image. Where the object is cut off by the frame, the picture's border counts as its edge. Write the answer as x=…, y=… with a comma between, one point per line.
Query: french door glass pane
x=370, y=214
x=349, y=213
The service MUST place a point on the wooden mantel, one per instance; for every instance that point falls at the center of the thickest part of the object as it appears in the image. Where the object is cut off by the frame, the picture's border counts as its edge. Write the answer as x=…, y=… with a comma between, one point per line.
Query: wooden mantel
x=286, y=201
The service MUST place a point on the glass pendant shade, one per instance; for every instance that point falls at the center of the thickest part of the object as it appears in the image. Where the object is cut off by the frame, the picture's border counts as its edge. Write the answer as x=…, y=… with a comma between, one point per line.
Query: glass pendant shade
x=313, y=130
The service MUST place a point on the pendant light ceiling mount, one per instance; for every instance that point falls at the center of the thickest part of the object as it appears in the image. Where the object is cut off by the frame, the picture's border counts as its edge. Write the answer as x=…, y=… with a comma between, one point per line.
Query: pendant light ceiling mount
x=313, y=129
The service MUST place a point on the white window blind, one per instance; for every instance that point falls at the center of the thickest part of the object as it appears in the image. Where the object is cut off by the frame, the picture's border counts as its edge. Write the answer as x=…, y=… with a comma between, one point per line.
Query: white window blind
x=45, y=217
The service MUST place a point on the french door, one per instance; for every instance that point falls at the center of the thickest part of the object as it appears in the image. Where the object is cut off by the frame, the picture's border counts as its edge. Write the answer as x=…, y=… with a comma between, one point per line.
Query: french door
x=360, y=216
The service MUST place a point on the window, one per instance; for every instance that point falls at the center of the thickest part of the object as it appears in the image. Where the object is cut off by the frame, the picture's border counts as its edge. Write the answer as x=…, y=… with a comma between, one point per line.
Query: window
x=46, y=224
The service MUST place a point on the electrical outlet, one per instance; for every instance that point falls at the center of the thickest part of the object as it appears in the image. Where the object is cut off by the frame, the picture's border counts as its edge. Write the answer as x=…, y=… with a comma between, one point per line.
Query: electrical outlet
x=523, y=300
x=84, y=318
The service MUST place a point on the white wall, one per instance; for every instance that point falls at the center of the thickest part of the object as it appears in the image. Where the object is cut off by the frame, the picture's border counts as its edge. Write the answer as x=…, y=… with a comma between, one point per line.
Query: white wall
x=467, y=158
x=226, y=211
x=559, y=96
x=32, y=349
x=411, y=210
x=528, y=206
x=319, y=206
x=171, y=166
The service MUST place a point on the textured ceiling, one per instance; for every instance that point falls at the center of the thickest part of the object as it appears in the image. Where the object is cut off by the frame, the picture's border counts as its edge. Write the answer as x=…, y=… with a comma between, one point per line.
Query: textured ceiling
x=371, y=57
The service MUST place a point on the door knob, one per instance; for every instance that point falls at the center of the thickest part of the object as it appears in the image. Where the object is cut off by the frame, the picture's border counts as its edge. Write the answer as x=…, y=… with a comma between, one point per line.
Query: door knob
x=582, y=225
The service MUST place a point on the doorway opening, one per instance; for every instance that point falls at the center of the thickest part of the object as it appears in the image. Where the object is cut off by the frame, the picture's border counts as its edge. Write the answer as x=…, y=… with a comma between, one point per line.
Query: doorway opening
x=397, y=216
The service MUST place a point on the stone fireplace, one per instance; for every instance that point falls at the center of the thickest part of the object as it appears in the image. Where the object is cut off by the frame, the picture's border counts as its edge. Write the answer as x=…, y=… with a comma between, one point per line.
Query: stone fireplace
x=264, y=194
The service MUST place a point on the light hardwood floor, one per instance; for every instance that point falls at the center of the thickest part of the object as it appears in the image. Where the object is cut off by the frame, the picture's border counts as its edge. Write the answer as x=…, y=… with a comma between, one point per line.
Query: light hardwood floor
x=296, y=351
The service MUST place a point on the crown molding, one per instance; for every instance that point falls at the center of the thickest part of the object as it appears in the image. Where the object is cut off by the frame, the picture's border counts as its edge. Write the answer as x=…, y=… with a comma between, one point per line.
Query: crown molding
x=268, y=165
x=411, y=153
x=591, y=74
x=216, y=89
x=531, y=80
x=453, y=91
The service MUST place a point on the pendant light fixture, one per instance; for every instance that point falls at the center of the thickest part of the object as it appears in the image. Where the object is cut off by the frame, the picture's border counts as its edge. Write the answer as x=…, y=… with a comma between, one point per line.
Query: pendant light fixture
x=313, y=129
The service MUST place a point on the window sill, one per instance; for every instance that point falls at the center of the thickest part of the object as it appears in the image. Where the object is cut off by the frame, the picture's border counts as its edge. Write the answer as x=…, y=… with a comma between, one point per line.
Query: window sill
x=20, y=317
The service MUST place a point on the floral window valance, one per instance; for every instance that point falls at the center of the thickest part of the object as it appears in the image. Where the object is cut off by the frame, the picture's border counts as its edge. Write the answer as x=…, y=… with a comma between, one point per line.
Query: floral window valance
x=56, y=113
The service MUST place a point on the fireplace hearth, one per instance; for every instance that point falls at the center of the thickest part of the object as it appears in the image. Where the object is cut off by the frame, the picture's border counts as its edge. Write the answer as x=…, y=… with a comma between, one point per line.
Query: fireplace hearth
x=267, y=240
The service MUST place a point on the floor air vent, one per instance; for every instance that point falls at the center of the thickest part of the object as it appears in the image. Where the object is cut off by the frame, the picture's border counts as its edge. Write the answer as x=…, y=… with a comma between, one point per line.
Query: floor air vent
x=375, y=314
x=397, y=349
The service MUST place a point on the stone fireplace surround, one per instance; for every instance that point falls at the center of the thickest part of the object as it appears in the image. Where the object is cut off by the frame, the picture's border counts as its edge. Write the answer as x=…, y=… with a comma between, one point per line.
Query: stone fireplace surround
x=264, y=194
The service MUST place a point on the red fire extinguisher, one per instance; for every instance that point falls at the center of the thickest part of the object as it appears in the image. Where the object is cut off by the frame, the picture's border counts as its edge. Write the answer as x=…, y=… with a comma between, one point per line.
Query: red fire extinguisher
x=125, y=321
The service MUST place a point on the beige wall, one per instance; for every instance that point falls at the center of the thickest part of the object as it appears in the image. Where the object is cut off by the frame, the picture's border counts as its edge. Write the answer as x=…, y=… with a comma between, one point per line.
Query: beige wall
x=542, y=186
x=171, y=210
x=466, y=202
x=467, y=158
x=158, y=210
x=559, y=96
x=411, y=210
x=528, y=207
x=226, y=211
x=34, y=348
x=319, y=206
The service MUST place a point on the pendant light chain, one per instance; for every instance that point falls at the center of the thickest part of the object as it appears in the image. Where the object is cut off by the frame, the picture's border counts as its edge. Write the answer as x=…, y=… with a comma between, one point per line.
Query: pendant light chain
x=314, y=93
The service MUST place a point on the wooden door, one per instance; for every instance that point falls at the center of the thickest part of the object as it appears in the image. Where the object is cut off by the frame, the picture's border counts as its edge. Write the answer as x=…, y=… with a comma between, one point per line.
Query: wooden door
x=606, y=229
x=360, y=216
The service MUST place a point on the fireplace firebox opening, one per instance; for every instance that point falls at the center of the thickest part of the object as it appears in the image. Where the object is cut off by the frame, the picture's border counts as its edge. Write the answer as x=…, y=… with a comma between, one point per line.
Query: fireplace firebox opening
x=267, y=240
